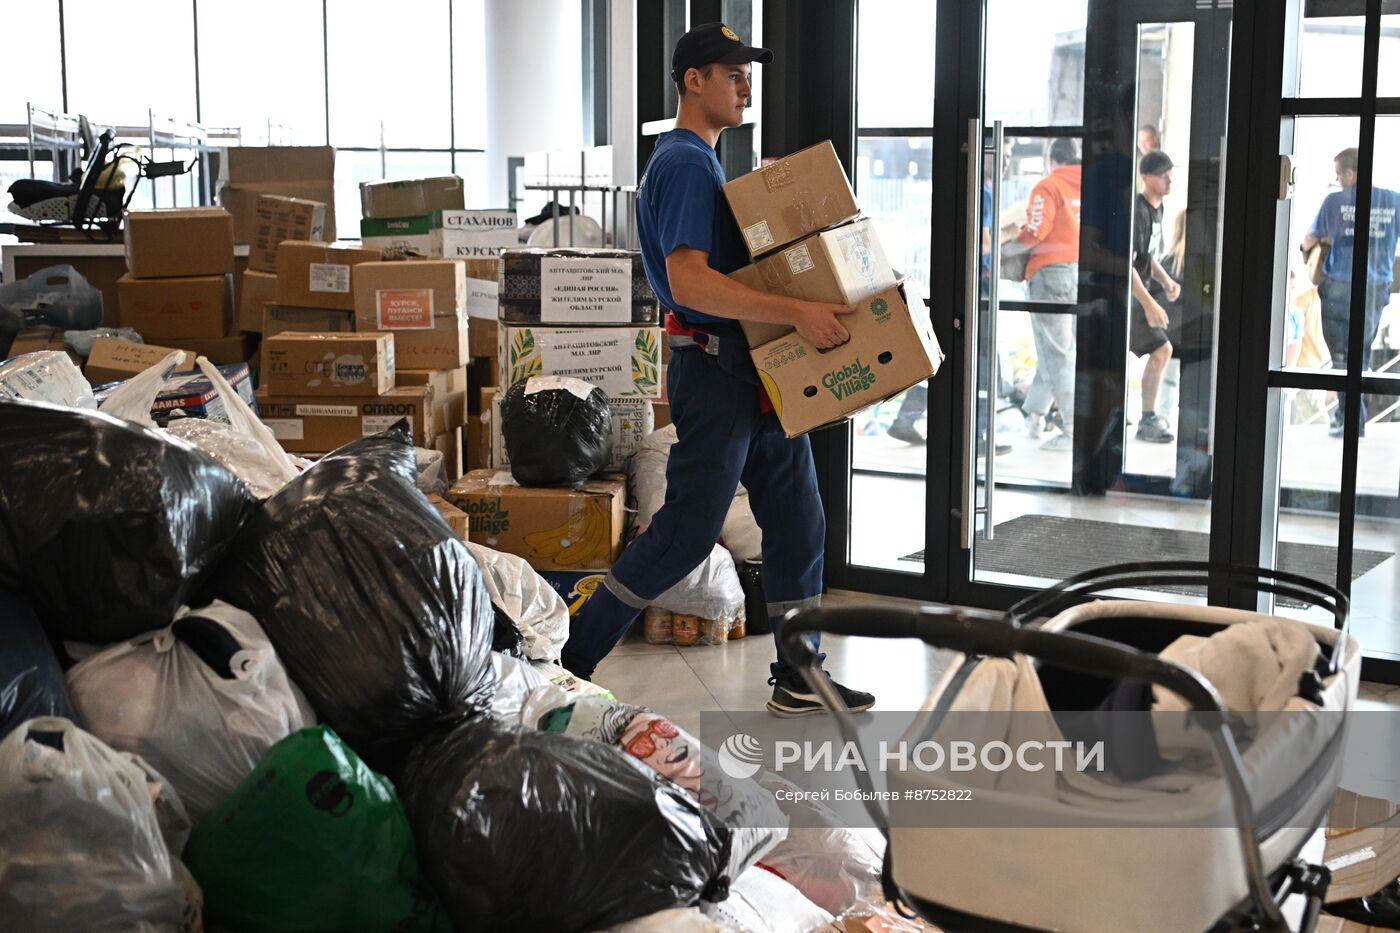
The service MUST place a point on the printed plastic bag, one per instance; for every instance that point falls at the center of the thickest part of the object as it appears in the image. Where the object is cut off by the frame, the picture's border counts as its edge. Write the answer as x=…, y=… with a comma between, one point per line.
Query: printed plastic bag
x=488, y=803
x=107, y=527
x=55, y=296
x=45, y=376
x=202, y=700
x=372, y=601
x=536, y=608
x=557, y=430
x=31, y=681
x=81, y=842
x=312, y=840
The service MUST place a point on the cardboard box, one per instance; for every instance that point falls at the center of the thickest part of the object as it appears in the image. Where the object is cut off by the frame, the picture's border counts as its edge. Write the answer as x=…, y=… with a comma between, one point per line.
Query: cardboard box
x=454, y=516
x=624, y=362
x=661, y=415
x=314, y=424
x=115, y=360
x=190, y=394
x=182, y=241
x=318, y=275
x=892, y=347
x=221, y=351
x=291, y=171
x=553, y=529
x=568, y=287
x=412, y=197
x=337, y=365
x=783, y=202
x=280, y=320
x=449, y=444
x=1363, y=845
x=258, y=289
x=449, y=392
x=632, y=420
x=476, y=448
x=423, y=304
x=844, y=265
x=174, y=308
x=281, y=218
x=475, y=234
x=41, y=338
x=483, y=338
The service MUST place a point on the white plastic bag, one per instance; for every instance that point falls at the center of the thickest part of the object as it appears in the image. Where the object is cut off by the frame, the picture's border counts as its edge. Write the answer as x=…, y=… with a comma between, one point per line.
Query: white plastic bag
x=533, y=605
x=432, y=475
x=516, y=680
x=133, y=399
x=740, y=535
x=45, y=376
x=81, y=844
x=710, y=591
x=246, y=422
x=202, y=700
x=761, y=902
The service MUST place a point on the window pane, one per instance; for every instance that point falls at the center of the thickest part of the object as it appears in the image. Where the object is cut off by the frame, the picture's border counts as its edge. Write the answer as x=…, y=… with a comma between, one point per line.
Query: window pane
x=1035, y=62
x=390, y=70
x=472, y=167
x=1329, y=56
x=1375, y=569
x=281, y=105
x=469, y=72
x=895, y=60
x=894, y=181
x=31, y=64
x=351, y=168
x=122, y=63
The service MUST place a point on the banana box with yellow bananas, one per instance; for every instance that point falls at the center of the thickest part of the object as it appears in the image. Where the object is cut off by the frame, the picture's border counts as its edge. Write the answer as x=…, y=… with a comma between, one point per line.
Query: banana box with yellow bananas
x=577, y=528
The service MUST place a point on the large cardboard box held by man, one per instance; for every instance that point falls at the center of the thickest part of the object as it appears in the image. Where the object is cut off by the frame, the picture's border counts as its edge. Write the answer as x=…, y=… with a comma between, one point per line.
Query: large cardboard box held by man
x=328, y=364
x=782, y=202
x=172, y=308
x=892, y=347
x=422, y=303
x=309, y=424
x=291, y=171
x=318, y=275
x=183, y=241
x=554, y=529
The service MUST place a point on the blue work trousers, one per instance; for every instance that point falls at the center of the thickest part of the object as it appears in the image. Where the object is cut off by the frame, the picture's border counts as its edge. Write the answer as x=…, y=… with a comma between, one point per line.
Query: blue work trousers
x=722, y=439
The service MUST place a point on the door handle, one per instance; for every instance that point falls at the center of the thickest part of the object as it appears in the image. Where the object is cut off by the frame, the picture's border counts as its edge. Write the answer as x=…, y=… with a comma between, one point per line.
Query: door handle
x=972, y=273
x=993, y=280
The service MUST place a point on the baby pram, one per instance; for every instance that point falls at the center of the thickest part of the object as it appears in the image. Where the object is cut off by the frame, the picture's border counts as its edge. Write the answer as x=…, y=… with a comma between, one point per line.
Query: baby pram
x=1106, y=871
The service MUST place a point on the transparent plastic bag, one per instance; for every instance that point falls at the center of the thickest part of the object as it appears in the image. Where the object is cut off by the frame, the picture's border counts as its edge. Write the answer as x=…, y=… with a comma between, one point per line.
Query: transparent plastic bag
x=81, y=341
x=45, y=376
x=711, y=591
x=55, y=296
x=83, y=842
x=202, y=700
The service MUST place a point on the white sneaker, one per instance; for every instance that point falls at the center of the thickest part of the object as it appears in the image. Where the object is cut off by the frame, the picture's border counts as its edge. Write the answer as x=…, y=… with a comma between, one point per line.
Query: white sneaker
x=1035, y=425
x=1059, y=442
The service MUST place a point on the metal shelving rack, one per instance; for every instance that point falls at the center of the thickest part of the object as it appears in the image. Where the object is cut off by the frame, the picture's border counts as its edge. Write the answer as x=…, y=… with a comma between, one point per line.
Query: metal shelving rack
x=624, y=201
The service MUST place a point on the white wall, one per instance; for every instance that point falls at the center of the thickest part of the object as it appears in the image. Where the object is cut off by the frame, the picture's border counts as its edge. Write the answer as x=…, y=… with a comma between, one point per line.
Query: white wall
x=624, y=91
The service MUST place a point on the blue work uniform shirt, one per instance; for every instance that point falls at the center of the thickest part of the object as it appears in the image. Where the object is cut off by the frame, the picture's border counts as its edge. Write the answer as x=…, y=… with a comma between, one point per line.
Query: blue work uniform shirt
x=1336, y=219
x=680, y=202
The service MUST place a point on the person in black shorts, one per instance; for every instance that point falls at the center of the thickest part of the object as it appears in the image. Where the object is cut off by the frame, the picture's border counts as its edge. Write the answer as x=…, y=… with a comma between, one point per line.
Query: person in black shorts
x=1147, y=320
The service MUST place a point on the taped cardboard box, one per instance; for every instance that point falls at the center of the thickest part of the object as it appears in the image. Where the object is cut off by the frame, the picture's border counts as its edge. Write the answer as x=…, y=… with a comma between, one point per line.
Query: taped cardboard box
x=318, y=275
x=840, y=266
x=189, y=394
x=625, y=362
x=892, y=347
x=183, y=241
x=782, y=202
x=290, y=171
x=258, y=290
x=632, y=420
x=454, y=516
x=412, y=197
x=569, y=287
x=423, y=304
x=221, y=351
x=279, y=320
x=282, y=218
x=1363, y=845
x=315, y=424
x=553, y=529
x=174, y=308
x=449, y=392
x=338, y=365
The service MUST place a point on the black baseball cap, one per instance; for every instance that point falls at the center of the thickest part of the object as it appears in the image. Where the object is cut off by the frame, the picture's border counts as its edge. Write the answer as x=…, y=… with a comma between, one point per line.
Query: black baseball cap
x=711, y=43
x=1155, y=162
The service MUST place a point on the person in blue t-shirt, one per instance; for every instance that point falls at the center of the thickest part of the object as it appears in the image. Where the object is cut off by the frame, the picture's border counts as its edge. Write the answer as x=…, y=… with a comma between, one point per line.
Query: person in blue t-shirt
x=725, y=433
x=1336, y=225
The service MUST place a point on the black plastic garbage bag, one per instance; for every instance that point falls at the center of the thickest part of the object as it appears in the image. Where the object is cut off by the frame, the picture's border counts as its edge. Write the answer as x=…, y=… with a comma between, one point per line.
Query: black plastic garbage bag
x=108, y=527
x=374, y=604
x=557, y=431
x=506, y=636
x=31, y=681
x=527, y=830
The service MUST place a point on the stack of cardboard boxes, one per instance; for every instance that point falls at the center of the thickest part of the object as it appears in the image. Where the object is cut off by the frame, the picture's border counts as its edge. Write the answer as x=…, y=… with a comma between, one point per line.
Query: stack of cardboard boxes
x=279, y=218
x=802, y=227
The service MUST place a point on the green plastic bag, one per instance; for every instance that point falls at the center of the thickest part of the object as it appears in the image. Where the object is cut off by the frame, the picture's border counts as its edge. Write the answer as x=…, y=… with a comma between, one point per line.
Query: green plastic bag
x=312, y=840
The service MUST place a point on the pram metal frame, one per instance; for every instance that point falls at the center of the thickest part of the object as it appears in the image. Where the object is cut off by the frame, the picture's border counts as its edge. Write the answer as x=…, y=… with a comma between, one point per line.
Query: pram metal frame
x=983, y=633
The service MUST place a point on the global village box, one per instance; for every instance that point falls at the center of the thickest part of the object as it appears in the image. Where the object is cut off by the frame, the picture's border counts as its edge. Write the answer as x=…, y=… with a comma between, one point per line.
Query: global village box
x=890, y=349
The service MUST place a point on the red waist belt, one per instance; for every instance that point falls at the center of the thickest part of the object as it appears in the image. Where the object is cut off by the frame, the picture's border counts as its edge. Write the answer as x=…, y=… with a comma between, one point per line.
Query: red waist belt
x=682, y=336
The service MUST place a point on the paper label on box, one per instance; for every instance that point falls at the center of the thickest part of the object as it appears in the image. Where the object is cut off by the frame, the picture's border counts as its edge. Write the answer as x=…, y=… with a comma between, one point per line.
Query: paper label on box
x=758, y=236
x=576, y=290
x=285, y=429
x=404, y=308
x=622, y=361
x=575, y=387
x=327, y=411
x=373, y=424
x=483, y=299
x=799, y=260
x=329, y=277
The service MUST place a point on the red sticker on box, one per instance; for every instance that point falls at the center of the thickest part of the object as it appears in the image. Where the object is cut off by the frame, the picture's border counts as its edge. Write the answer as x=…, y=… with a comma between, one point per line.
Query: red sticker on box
x=404, y=308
